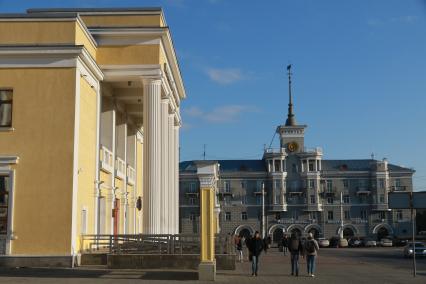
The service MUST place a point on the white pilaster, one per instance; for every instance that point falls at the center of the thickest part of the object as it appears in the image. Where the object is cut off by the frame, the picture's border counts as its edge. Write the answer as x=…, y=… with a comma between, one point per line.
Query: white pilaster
x=152, y=155
x=165, y=212
x=170, y=177
x=176, y=180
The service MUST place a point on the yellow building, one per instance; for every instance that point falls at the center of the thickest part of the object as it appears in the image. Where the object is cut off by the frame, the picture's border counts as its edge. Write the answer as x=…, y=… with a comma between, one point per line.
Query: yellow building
x=89, y=129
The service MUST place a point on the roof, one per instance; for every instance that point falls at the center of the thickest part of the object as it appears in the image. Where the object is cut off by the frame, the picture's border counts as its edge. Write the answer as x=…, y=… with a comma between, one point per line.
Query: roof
x=38, y=15
x=357, y=165
x=259, y=166
x=96, y=10
x=227, y=166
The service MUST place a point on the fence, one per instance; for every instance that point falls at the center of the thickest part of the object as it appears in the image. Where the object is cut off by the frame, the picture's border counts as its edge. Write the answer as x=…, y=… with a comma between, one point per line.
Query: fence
x=152, y=244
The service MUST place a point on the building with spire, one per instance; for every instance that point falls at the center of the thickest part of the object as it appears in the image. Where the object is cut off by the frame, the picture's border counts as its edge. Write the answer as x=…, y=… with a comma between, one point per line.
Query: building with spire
x=303, y=191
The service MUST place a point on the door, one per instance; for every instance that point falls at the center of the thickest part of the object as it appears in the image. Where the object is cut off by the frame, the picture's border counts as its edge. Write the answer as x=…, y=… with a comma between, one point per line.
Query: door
x=116, y=214
x=4, y=212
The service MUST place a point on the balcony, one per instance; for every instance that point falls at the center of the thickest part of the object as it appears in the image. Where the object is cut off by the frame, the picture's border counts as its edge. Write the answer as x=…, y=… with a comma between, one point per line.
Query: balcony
x=278, y=208
x=131, y=175
x=275, y=151
x=296, y=191
x=360, y=190
x=107, y=160
x=314, y=207
x=381, y=207
x=358, y=221
x=120, y=168
x=399, y=188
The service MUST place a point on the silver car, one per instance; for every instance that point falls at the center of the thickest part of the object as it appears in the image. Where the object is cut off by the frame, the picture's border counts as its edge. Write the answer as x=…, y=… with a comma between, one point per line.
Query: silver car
x=420, y=249
x=385, y=242
x=323, y=243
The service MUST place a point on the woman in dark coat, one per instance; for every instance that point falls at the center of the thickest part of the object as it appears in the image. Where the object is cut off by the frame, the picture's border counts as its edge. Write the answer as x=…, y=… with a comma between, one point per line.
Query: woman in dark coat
x=255, y=246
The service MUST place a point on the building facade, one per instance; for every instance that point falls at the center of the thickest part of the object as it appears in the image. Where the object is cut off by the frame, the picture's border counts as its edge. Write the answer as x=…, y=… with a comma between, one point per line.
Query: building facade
x=303, y=192
x=89, y=128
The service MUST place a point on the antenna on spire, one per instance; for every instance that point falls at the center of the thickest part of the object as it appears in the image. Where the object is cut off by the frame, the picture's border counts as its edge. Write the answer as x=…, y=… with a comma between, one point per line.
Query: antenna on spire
x=291, y=121
x=204, y=152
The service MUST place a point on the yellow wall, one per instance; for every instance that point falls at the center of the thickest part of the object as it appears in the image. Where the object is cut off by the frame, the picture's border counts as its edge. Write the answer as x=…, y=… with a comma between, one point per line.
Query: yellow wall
x=87, y=158
x=123, y=20
x=134, y=54
x=37, y=32
x=82, y=39
x=43, y=118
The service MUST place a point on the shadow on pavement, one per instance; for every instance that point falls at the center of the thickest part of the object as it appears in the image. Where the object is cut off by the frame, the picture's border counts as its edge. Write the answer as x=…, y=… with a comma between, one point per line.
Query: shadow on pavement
x=170, y=275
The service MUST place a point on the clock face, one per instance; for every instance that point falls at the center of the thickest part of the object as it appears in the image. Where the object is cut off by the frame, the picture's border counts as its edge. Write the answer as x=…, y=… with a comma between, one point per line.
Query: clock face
x=292, y=146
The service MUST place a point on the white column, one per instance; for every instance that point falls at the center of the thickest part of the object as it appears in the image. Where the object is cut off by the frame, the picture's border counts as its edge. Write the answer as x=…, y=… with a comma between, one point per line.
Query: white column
x=171, y=174
x=152, y=155
x=165, y=212
x=176, y=179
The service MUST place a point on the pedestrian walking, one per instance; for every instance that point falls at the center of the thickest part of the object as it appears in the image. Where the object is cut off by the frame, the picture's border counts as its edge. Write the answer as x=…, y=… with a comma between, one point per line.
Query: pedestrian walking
x=255, y=246
x=295, y=247
x=311, y=249
x=284, y=244
x=239, y=247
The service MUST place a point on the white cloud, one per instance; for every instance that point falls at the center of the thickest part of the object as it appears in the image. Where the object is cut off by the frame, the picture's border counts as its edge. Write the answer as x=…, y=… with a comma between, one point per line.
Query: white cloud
x=225, y=76
x=408, y=19
x=222, y=114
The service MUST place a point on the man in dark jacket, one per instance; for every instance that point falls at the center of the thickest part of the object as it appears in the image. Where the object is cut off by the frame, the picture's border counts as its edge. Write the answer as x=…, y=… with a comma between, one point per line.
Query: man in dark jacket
x=296, y=248
x=284, y=244
x=255, y=246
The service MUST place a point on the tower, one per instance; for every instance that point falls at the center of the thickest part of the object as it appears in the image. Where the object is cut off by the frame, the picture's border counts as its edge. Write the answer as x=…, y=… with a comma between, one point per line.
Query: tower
x=292, y=135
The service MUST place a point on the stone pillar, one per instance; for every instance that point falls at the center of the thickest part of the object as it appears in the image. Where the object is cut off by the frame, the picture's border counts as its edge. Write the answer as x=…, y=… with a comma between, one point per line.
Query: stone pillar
x=151, y=155
x=165, y=180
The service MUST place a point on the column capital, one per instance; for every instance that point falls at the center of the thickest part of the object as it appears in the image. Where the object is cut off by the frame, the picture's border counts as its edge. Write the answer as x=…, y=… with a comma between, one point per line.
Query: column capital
x=154, y=80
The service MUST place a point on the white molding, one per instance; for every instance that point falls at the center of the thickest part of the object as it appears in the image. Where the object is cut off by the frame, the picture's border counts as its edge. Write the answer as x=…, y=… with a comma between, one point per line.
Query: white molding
x=8, y=160
x=7, y=129
x=75, y=164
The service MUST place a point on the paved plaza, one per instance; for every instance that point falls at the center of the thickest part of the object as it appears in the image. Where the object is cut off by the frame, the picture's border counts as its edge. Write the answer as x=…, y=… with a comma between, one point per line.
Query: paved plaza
x=375, y=265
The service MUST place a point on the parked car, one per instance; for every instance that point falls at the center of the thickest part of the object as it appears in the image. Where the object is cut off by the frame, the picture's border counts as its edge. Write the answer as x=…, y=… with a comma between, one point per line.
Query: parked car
x=323, y=243
x=400, y=242
x=420, y=249
x=385, y=242
x=334, y=242
x=355, y=243
x=369, y=243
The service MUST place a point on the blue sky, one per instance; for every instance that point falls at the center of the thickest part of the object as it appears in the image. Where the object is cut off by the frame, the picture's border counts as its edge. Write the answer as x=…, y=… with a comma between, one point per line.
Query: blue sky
x=359, y=74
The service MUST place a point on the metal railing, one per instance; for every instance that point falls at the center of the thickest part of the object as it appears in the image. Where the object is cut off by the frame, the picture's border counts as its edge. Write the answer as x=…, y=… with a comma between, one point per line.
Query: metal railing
x=152, y=244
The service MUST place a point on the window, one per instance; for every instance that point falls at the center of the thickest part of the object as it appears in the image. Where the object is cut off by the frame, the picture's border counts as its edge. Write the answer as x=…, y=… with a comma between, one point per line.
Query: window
x=346, y=199
x=364, y=214
x=329, y=186
x=6, y=108
x=259, y=186
x=243, y=184
x=311, y=166
x=347, y=215
x=277, y=198
x=382, y=215
x=192, y=188
x=84, y=221
x=278, y=184
x=277, y=216
x=227, y=186
x=346, y=183
x=381, y=198
x=192, y=216
x=277, y=164
x=243, y=215
x=192, y=201
x=259, y=200
x=330, y=200
x=381, y=183
x=312, y=199
x=244, y=199
x=295, y=215
x=227, y=216
x=4, y=203
x=399, y=215
x=294, y=168
x=330, y=215
x=227, y=200
x=311, y=183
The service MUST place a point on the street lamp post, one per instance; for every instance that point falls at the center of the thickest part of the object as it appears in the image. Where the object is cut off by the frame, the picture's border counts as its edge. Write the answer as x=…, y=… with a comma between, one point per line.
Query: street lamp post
x=341, y=215
x=263, y=210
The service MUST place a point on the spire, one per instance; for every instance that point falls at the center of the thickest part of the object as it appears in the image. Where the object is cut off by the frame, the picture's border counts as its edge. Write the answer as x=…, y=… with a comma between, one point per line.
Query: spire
x=291, y=121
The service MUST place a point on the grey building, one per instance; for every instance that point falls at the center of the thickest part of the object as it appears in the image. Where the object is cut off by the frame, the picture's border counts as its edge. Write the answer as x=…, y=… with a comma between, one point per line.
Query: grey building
x=304, y=192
